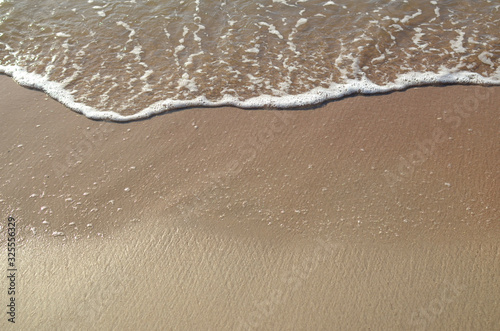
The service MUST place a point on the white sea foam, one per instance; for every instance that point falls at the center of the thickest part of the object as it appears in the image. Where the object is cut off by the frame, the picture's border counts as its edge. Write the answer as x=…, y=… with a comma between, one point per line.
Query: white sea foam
x=126, y=26
x=314, y=96
x=485, y=58
x=62, y=34
x=457, y=44
x=300, y=22
x=272, y=29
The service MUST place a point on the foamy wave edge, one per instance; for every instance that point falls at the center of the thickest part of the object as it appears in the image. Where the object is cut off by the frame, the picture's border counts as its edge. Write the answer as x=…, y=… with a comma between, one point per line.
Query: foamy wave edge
x=313, y=97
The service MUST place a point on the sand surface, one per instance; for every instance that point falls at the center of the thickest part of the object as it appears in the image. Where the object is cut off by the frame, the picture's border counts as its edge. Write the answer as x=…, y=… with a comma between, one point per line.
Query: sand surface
x=368, y=213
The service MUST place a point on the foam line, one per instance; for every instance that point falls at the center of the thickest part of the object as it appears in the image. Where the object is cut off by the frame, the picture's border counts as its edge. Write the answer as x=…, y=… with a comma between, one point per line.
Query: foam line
x=314, y=96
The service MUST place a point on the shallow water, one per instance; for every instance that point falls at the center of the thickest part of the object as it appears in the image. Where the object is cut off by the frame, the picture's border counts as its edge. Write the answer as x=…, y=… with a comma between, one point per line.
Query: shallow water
x=125, y=60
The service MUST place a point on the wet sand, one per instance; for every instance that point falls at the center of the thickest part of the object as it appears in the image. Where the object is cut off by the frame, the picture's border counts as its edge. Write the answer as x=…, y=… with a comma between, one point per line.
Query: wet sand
x=372, y=212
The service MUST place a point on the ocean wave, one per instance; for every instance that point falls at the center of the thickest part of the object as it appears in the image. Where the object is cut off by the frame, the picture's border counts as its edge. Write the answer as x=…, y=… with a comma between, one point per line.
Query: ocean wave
x=123, y=61
x=316, y=96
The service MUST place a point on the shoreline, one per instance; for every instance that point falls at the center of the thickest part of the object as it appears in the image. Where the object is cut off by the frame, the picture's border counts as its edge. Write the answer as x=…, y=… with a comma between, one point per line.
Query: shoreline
x=317, y=97
x=373, y=211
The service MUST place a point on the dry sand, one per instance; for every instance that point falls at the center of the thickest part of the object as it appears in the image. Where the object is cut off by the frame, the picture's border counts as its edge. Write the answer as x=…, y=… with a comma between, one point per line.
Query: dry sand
x=368, y=213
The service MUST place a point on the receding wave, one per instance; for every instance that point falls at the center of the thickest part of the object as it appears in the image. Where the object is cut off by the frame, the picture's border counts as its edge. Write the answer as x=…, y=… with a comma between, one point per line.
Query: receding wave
x=122, y=60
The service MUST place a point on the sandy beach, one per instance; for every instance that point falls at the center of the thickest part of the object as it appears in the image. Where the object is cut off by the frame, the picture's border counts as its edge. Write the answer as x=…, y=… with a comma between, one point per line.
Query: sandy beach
x=368, y=213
